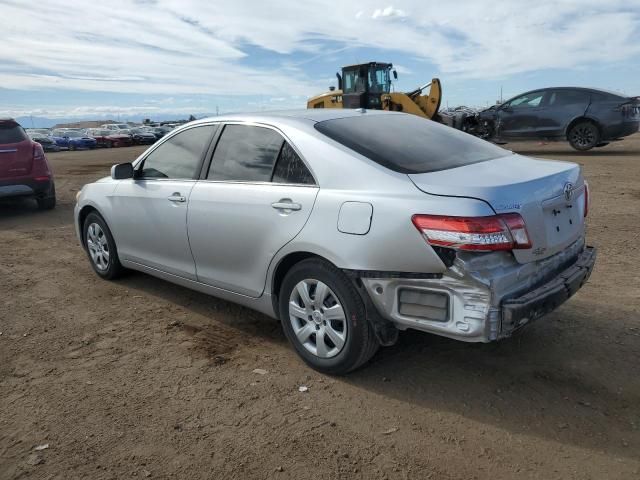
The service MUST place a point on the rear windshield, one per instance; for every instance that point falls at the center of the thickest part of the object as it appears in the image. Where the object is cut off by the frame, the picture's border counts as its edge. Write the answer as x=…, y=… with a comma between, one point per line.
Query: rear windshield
x=408, y=143
x=11, y=132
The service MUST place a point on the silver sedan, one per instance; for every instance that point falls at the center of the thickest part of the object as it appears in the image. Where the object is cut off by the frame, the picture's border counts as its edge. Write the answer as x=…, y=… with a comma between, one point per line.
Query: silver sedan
x=348, y=226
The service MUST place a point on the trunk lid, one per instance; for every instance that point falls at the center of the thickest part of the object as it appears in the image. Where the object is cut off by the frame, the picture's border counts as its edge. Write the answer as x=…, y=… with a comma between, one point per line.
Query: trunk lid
x=548, y=194
x=16, y=150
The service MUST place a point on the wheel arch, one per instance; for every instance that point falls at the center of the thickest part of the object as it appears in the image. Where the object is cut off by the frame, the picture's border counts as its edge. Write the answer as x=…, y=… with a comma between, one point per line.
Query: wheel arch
x=283, y=266
x=82, y=216
x=582, y=118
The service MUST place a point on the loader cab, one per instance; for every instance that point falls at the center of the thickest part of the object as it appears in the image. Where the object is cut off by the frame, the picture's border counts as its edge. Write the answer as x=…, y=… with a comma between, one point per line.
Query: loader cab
x=362, y=85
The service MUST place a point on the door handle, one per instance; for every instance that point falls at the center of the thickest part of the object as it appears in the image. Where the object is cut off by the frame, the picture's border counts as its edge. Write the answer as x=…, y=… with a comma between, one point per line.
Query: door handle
x=286, y=204
x=176, y=197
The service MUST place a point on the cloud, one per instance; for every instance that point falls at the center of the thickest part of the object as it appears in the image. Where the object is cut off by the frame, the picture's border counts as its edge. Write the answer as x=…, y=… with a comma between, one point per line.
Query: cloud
x=388, y=12
x=183, y=47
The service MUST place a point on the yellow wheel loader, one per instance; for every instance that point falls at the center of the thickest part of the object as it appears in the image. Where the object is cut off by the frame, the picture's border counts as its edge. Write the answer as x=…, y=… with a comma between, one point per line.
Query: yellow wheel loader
x=368, y=85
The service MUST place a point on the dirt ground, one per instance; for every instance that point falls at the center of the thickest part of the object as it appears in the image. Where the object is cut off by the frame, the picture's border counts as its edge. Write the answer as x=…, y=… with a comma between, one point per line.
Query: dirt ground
x=141, y=378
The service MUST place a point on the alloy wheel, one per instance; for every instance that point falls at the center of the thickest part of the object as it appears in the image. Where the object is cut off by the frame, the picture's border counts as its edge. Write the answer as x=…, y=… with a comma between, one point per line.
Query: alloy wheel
x=318, y=318
x=98, y=246
x=583, y=136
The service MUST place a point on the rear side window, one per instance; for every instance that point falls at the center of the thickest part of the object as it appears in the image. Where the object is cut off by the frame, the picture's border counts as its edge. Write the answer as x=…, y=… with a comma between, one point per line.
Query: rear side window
x=407, y=143
x=180, y=156
x=569, y=97
x=291, y=169
x=11, y=132
x=245, y=153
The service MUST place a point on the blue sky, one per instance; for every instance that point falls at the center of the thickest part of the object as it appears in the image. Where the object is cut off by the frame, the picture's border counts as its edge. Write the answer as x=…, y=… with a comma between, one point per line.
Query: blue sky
x=164, y=58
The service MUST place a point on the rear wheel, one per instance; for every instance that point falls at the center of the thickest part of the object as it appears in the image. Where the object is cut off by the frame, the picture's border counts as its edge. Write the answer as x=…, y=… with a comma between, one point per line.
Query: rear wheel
x=48, y=202
x=584, y=136
x=101, y=248
x=324, y=318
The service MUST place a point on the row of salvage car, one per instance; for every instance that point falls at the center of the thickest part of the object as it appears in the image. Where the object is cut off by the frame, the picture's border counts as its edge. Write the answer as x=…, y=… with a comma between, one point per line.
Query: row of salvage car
x=107, y=136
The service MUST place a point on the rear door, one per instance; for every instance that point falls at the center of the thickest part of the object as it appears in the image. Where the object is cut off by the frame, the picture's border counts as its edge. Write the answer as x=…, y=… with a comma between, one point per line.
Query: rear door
x=16, y=151
x=150, y=210
x=560, y=108
x=518, y=118
x=256, y=197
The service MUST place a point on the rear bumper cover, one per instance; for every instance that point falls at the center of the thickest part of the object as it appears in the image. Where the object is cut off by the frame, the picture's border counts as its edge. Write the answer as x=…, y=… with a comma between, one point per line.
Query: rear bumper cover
x=623, y=129
x=24, y=186
x=482, y=298
x=519, y=311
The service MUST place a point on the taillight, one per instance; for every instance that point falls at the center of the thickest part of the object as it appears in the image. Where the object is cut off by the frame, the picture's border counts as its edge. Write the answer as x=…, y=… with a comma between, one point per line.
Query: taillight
x=40, y=170
x=587, y=199
x=38, y=152
x=497, y=232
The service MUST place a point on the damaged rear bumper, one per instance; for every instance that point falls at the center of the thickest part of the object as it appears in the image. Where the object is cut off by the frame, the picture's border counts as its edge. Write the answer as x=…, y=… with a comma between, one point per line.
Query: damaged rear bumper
x=482, y=298
x=518, y=311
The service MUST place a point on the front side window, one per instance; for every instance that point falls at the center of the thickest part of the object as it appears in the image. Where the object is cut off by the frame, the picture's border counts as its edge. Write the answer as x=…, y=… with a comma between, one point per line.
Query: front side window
x=528, y=100
x=245, y=153
x=180, y=156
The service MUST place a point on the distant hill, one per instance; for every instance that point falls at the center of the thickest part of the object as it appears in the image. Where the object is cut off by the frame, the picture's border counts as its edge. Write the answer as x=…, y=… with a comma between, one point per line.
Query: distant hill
x=44, y=122
x=83, y=124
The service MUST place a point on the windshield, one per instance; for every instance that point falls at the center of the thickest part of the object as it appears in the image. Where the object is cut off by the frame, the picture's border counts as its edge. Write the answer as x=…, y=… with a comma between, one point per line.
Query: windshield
x=378, y=80
x=407, y=143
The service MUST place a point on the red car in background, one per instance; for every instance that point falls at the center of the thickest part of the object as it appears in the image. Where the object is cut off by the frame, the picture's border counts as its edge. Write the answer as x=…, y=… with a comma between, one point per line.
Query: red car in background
x=24, y=169
x=110, y=138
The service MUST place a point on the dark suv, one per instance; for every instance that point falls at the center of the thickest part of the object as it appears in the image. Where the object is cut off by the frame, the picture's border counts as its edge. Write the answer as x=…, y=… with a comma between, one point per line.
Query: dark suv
x=585, y=117
x=24, y=170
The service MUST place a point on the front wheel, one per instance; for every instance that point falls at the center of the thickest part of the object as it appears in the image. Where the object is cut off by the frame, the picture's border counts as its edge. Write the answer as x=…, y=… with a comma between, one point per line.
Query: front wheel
x=584, y=136
x=101, y=248
x=324, y=318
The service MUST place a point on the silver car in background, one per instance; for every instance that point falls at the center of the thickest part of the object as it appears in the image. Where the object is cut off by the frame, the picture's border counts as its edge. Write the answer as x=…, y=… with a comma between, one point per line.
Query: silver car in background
x=348, y=226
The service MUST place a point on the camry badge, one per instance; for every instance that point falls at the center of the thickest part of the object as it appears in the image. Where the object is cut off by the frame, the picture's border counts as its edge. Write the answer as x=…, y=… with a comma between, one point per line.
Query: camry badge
x=568, y=191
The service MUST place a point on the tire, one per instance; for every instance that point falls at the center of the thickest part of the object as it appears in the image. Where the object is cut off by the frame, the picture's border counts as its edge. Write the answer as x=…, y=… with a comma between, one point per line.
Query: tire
x=109, y=144
x=584, y=136
x=71, y=147
x=48, y=202
x=98, y=240
x=317, y=335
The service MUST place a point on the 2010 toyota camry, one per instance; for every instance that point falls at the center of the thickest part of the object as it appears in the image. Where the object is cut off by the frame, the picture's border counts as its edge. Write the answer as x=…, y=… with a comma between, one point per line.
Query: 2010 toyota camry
x=347, y=225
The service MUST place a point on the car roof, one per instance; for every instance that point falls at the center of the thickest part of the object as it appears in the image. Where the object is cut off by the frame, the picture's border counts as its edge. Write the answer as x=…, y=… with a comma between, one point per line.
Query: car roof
x=587, y=89
x=306, y=116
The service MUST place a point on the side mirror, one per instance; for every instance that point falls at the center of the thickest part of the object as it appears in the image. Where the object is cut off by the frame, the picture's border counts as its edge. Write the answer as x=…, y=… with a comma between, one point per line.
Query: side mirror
x=122, y=171
x=505, y=108
x=395, y=75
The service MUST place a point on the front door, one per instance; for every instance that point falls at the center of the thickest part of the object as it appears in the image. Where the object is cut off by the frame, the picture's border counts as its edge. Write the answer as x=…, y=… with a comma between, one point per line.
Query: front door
x=256, y=197
x=518, y=118
x=150, y=224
